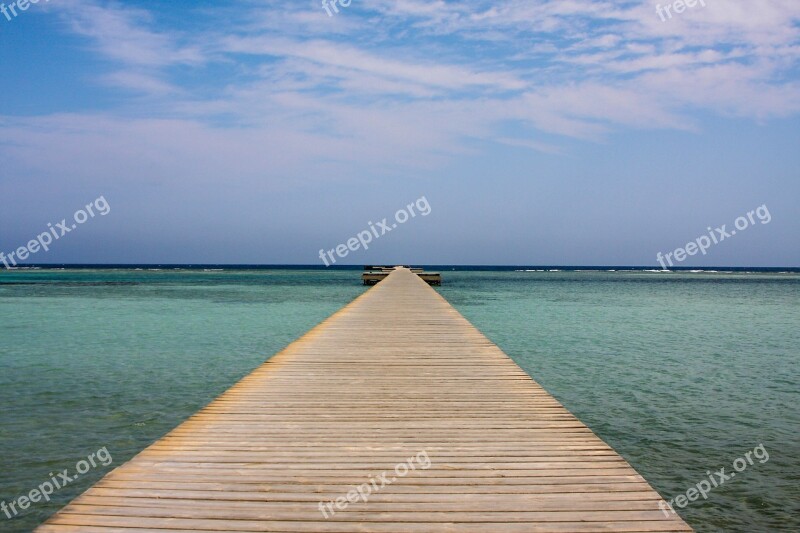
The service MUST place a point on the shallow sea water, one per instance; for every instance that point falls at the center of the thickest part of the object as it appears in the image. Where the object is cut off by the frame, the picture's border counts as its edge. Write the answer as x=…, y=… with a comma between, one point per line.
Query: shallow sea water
x=681, y=373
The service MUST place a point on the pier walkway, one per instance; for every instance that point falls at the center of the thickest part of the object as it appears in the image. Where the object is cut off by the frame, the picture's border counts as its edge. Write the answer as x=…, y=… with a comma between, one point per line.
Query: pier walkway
x=396, y=374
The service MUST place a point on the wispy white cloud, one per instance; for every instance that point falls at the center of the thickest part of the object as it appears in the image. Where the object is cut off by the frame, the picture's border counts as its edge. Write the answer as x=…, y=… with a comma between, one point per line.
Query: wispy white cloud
x=125, y=34
x=425, y=77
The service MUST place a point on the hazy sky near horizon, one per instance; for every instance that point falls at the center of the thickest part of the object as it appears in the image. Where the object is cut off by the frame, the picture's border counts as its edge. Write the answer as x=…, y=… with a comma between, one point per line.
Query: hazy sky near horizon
x=570, y=132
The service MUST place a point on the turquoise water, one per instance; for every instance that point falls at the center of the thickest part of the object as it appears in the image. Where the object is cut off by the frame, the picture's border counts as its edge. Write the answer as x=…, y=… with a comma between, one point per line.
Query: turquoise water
x=682, y=373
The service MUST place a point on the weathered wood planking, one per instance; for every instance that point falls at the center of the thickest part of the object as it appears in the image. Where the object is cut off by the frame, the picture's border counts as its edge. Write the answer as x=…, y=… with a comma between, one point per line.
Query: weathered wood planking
x=395, y=373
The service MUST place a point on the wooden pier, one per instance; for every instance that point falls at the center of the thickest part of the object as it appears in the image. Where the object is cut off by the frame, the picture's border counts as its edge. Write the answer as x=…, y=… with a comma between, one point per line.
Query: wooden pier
x=375, y=274
x=396, y=373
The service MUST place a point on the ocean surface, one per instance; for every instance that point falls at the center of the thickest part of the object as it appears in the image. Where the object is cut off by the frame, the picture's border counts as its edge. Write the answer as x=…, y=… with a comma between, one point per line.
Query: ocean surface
x=681, y=372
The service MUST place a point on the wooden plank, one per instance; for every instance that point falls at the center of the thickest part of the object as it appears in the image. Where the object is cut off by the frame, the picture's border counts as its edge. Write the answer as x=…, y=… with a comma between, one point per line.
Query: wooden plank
x=397, y=374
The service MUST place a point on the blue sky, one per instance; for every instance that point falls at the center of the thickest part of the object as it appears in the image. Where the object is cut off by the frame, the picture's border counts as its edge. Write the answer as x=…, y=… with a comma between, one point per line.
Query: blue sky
x=540, y=131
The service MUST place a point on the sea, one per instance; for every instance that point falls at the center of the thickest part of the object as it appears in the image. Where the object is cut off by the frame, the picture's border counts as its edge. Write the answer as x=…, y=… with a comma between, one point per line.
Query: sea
x=682, y=372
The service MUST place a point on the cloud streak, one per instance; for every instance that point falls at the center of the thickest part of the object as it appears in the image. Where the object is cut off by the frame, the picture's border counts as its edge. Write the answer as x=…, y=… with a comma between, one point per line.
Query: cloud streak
x=428, y=78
